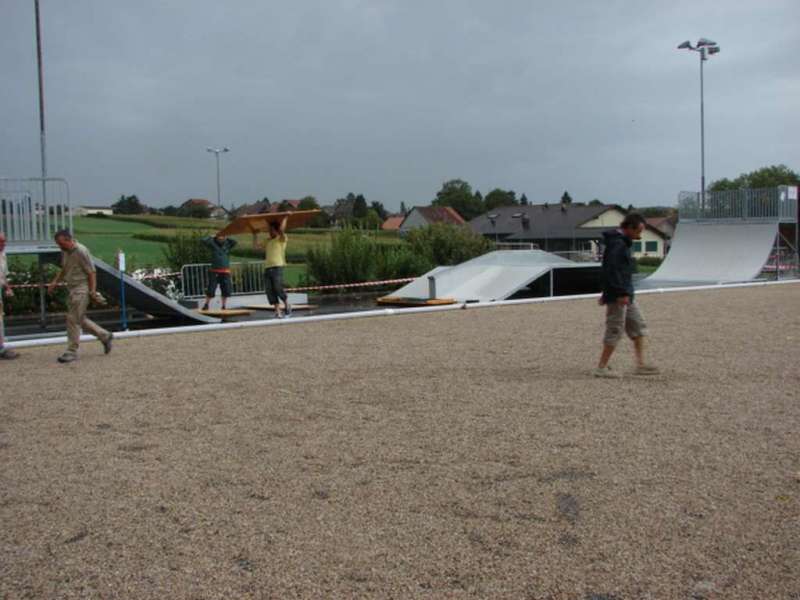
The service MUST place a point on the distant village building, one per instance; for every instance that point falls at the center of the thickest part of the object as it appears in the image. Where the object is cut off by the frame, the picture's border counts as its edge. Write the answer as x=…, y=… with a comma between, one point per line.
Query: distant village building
x=420, y=216
x=85, y=211
x=563, y=228
x=392, y=223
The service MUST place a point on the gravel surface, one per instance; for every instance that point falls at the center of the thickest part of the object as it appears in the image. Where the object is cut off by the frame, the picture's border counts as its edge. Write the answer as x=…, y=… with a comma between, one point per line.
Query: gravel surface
x=465, y=454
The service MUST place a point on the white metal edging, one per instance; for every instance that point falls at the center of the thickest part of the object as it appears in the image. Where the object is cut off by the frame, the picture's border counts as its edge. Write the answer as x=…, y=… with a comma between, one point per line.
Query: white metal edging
x=383, y=312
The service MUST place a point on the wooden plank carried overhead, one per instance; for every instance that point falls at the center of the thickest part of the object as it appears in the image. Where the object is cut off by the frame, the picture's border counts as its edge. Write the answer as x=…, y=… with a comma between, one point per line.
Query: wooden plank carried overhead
x=260, y=222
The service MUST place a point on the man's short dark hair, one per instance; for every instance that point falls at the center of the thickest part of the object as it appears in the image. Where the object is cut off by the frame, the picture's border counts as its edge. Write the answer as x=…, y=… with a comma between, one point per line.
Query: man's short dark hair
x=64, y=233
x=632, y=221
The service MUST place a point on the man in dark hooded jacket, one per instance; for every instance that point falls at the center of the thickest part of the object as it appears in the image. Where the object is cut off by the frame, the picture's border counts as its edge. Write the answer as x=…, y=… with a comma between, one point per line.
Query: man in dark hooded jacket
x=622, y=312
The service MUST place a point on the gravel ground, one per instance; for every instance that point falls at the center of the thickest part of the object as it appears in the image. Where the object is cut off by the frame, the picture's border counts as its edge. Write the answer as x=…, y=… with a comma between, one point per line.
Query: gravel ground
x=465, y=454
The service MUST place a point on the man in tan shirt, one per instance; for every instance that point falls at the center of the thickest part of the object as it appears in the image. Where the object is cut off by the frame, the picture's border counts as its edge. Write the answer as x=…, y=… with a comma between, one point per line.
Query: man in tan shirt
x=78, y=273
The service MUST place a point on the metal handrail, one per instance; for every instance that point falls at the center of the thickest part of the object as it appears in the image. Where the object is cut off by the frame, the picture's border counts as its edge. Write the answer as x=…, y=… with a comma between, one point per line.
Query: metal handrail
x=33, y=209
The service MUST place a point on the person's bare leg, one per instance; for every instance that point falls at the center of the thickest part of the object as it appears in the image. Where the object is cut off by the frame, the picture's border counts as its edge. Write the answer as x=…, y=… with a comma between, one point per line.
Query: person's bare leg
x=638, y=349
x=605, y=356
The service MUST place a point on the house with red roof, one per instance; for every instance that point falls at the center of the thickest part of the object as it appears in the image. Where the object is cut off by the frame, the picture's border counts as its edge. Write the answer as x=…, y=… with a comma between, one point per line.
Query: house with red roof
x=420, y=216
x=392, y=223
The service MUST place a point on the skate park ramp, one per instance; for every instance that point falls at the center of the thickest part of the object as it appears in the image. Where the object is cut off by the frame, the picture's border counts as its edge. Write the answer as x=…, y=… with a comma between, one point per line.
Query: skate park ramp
x=706, y=253
x=143, y=298
x=502, y=275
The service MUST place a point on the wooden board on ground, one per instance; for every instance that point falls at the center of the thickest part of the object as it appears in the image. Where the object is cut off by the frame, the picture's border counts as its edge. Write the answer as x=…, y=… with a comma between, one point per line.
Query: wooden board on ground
x=228, y=312
x=397, y=301
x=260, y=222
x=270, y=307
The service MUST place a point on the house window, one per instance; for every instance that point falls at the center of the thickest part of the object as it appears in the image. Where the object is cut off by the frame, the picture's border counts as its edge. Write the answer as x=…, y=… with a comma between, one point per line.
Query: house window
x=637, y=247
x=651, y=246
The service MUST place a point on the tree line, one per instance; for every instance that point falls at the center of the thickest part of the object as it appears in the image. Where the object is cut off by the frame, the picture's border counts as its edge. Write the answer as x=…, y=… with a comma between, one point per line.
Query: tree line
x=354, y=210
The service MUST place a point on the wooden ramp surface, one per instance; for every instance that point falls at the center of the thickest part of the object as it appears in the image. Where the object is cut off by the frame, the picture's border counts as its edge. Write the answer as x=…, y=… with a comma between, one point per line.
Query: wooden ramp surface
x=260, y=222
x=398, y=301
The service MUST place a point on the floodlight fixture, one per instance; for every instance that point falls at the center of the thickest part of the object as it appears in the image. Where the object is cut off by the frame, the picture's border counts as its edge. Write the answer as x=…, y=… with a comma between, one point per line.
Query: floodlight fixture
x=705, y=48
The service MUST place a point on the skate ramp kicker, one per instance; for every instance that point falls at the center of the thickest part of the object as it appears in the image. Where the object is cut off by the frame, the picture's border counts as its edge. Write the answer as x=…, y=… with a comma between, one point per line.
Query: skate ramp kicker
x=142, y=297
x=713, y=253
x=494, y=276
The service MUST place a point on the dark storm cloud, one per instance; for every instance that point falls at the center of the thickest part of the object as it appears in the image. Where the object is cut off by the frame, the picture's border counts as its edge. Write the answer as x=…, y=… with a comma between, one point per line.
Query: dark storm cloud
x=392, y=98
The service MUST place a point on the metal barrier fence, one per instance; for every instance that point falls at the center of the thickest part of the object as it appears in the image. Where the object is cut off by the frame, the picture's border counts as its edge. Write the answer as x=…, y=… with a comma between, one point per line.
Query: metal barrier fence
x=246, y=278
x=773, y=204
x=515, y=246
x=33, y=209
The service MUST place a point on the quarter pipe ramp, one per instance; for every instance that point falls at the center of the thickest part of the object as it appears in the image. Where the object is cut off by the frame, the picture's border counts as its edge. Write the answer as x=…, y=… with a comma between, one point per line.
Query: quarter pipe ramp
x=714, y=253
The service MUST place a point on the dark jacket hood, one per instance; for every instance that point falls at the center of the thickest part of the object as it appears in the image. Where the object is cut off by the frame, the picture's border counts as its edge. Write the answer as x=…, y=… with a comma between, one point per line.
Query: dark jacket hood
x=615, y=235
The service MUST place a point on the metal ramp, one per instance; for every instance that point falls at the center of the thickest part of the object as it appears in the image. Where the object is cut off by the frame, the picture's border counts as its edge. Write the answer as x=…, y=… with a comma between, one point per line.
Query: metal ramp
x=706, y=253
x=498, y=275
x=143, y=298
x=728, y=236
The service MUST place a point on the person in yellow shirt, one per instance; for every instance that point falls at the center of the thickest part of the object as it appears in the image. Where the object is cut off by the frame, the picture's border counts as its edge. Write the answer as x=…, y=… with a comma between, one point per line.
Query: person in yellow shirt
x=275, y=261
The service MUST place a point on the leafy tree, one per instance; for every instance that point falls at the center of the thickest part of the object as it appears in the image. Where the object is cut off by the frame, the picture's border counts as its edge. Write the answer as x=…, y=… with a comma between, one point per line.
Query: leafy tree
x=170, y=211
x=195, y=211
x=596, y=202
x=403, y=209
x=445, y=244
x=308, y=203
x=372, y=220
x=498, y=197
x=379, y=209
x=457, y=194
x=765, y=177
x=359, y=207
x=566, y=198
x=524, y=200
x=128, y=205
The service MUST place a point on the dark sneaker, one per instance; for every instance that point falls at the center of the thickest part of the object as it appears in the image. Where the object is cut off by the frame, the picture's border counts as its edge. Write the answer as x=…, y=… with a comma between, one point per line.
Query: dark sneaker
x=288, y=310
x=205, y=307
x=8, y=354
x=107, y=343
x=67, y=357
x=605, y=373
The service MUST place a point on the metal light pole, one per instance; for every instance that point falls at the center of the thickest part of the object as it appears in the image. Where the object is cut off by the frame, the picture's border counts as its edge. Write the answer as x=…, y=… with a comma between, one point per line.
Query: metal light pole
x=704, y=48
x=42, y=138
x=217, y=152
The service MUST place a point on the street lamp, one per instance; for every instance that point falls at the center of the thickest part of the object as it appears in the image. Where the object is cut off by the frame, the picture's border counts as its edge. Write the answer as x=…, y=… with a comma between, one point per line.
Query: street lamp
x=217, y=152
x=704, y=48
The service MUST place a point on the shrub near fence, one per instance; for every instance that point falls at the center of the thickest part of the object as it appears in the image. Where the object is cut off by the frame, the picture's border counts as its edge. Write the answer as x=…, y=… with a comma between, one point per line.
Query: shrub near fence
x=352, y=257
x=26, y=300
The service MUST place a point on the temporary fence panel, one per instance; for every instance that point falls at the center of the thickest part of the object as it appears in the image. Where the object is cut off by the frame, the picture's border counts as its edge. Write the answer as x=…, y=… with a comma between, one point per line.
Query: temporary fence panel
x=246, y=278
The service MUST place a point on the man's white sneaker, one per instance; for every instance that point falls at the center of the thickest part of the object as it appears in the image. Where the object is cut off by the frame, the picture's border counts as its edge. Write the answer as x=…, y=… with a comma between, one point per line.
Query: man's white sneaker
x=605, y=373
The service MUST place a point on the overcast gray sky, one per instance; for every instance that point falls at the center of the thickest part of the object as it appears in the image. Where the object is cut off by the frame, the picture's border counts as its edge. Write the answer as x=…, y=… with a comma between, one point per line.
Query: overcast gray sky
x=390, y=98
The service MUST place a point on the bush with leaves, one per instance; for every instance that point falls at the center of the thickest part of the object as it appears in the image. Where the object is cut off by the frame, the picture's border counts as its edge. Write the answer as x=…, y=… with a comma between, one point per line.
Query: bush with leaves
x=26, y=300
x=349, y=258
x=186, y=249
x=443, y=244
